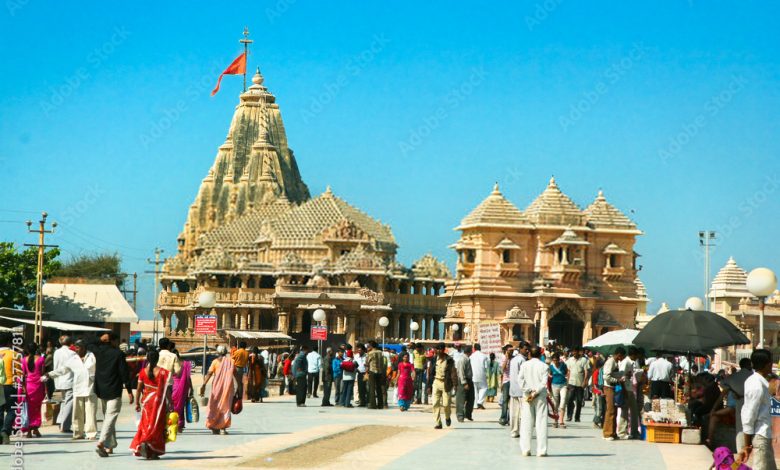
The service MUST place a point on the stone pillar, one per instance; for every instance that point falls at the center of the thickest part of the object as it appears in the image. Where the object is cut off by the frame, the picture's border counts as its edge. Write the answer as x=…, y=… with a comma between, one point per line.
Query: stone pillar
x=256, y=320
x=543, y=331
x=298, y=321
x=587, y=333
x=227, y=320
x=190, y=322
x=284, y=322
x=242, y=317
x=350, y=328
x=395, y=322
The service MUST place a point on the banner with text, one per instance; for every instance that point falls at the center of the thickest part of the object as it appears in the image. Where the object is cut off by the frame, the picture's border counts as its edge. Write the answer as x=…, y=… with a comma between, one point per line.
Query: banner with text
x=490, y=337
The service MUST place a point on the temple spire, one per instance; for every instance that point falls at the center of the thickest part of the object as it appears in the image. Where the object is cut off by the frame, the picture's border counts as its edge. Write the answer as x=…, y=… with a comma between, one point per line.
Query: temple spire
x=246, y=42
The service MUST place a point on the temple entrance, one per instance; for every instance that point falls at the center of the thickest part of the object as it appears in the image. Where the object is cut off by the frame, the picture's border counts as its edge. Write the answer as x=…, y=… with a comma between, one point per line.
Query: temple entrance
x=566, y=329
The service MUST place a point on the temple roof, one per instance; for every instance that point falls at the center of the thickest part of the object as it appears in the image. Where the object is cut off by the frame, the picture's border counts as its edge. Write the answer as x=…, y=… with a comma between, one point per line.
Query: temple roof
x=328, y=218
x=602, y=214
x=731, y=281
x=361, y=260
x=614, y=249
x=507, y=244
x=568, y=237
x=244, y=232
x=641, y=291
x=430, y=266
x=494, y=211
x=553, y=207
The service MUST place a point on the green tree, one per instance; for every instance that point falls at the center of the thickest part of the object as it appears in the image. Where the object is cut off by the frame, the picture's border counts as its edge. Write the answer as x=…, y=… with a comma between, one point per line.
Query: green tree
x=18, y=272
x=93, y=266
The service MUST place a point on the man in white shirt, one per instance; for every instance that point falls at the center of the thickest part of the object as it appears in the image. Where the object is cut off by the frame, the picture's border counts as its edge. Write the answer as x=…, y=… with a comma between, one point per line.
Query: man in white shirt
x=756, y=414
x=533, y=385
x=515, y=391
x=479, y=366
x=659, y=373
x=64, y=383
x=314, y=361
x=168, y=359
x=612, y=377
x=629, y=413
x=82, y=368
x=578, y=367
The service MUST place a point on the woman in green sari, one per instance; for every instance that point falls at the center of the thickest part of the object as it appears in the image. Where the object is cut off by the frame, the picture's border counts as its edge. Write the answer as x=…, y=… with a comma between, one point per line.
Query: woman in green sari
x=493, y=378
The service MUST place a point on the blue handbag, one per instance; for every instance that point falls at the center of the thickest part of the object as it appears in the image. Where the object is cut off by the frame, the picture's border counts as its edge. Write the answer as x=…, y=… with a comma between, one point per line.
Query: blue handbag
x=619, y=395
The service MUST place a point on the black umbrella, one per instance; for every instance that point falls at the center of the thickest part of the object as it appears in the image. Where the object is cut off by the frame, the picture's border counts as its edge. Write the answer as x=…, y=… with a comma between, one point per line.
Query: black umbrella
x=689, y=332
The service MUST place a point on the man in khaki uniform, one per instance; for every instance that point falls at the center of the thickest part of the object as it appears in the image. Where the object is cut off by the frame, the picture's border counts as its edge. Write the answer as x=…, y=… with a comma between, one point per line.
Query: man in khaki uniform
x=445, y=377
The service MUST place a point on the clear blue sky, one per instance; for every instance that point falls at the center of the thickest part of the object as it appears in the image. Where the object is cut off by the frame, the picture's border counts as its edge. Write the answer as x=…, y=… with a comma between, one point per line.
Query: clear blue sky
x=410, y=110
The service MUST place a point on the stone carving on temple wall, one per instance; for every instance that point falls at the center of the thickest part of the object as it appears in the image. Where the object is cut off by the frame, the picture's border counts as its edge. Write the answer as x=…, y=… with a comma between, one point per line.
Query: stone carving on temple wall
x=517, y=313
x=376, y=297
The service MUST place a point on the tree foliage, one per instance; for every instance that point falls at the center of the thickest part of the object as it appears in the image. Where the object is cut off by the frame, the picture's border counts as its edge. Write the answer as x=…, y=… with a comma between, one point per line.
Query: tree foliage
x=93, y=266
x=18, y=274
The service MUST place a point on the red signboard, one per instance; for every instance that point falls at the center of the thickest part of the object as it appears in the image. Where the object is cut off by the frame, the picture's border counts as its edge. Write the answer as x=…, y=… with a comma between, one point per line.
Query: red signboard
x=319, y=333
x=205, y=324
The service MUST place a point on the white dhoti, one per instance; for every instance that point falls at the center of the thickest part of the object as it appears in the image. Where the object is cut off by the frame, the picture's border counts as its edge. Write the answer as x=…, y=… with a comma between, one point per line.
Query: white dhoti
x=480, y=390
x=534, y=416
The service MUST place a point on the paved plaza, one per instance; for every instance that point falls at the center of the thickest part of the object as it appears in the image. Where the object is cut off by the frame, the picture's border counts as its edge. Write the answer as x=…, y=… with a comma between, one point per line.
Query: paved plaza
x=278, y=425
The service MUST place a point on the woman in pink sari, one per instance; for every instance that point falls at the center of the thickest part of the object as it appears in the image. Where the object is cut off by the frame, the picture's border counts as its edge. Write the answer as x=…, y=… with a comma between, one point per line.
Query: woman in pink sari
x=150, y=399
x=223, y=390
x=182, y=385
x=405, y=382
x=35, y=391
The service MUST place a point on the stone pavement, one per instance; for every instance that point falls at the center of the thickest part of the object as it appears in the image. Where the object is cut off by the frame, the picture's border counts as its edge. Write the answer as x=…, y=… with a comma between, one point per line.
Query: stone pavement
x=278, y=424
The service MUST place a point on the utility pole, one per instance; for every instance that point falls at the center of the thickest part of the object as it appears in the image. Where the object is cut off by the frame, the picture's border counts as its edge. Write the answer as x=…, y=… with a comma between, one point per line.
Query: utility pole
x=157, y=261
x=134, y=291
x=41, y=231
x=706, y=240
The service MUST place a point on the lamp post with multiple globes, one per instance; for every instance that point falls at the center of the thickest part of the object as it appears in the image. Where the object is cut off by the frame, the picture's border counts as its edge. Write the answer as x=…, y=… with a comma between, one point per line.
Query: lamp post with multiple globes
x=319, y=317
x=383, y=322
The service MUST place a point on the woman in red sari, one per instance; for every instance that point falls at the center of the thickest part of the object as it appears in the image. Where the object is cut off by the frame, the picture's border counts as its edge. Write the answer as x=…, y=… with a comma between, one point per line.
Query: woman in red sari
x=150, y=399
x=405, y=382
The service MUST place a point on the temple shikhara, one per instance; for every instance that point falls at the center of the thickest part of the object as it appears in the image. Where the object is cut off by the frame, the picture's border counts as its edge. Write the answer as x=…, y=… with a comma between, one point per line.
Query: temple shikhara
x=551, y=272
x=273, y=254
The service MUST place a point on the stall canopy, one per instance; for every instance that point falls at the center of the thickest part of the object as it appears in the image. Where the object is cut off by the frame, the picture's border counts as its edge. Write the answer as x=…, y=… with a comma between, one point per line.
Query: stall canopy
x=271, y=335
x=56, y=325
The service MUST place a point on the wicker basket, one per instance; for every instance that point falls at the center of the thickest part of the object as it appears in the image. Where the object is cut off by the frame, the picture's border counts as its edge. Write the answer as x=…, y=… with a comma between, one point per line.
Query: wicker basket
x=663, y=433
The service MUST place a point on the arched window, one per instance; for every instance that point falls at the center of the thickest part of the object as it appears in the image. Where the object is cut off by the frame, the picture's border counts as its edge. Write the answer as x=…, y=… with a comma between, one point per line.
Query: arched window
x=506, y=256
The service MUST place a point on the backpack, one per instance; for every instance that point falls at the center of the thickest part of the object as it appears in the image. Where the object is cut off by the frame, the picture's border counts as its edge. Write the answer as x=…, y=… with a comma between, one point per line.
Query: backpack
x=348, y=366
x=619, y=398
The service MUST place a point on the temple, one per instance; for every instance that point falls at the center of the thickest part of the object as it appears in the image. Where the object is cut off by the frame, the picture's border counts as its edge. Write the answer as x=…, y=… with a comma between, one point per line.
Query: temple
x=552, y=272
x=729, y=297
x=273, y=254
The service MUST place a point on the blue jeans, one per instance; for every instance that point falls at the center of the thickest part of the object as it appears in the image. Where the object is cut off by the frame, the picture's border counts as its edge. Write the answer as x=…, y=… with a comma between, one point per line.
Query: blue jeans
x=504, y=419
x=346, y=392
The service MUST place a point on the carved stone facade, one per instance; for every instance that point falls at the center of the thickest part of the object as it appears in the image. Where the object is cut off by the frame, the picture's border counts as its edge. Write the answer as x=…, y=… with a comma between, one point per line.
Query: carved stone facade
x=550, y=272
x=273, y=255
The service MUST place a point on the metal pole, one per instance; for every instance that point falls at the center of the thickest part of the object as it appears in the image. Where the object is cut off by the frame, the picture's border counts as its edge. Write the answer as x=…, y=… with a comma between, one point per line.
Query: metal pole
x=761, y=322
x=204, y=357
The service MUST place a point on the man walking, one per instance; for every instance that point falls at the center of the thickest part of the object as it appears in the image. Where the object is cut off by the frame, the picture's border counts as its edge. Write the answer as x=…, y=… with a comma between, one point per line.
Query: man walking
x=327, y=376
x=479, y=366
x=64, y=383
x=578, y=367
x=419, y=366
x=464, y=387
x=360, y=360
x=445, y=378
x=612, y=377
x=532, y=380
x=756, y=414
x=315, y=364
x=111, y=375
x=515, y=391
x=735, y=383
x=82, y=368
x=504, y=399
x=7, y=410
x=338, y=374
x=240, y=358
x=628, y=427
x=659, y=373
x=299, y=371
x=375, y=363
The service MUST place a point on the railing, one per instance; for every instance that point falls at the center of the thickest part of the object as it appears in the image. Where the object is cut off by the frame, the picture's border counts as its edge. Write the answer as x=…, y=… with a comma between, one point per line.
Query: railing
x=177, y=299
x=422, y=302
x=256, y=295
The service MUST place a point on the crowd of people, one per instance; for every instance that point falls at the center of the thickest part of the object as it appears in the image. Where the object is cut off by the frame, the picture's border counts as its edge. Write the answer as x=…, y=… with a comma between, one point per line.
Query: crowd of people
x=535, y=388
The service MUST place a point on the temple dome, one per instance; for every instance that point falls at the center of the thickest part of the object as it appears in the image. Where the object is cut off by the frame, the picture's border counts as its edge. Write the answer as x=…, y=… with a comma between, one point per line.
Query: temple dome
x=553, y=207
x=494, y=211
x=430, y=266
x=602, y=214
x=731, y=281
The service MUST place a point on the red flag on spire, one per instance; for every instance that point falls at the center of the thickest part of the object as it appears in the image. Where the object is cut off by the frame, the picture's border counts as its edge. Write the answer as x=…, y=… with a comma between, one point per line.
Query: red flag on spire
x=238, y=67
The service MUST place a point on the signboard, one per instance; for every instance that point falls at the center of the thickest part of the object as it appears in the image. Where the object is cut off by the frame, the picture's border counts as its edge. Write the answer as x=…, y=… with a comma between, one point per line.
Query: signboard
x=490, y=337
x=775, y=406
x=205, y=324
x=135, y=336
x=319, y=333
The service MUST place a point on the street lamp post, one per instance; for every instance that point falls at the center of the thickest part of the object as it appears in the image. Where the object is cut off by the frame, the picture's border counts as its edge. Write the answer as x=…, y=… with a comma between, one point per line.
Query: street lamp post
x=319, y=317
x=455, y=329
x=206, y=300
x=694, y=303
x=414, y=326
x=383, y=322
x=761, y=282
x=467, y=333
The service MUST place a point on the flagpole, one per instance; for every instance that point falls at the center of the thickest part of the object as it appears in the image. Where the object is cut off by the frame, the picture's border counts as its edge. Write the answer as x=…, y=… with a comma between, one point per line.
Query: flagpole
x=246, y=42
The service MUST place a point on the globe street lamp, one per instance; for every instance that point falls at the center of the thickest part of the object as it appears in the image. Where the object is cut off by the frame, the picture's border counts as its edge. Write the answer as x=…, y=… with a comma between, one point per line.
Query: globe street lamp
x=319, y=317
x=466, y=331
x=383, y=322
x=414, y=326
x=455, y=329
x=761, y=282
x=206, y=300
x=694, y=303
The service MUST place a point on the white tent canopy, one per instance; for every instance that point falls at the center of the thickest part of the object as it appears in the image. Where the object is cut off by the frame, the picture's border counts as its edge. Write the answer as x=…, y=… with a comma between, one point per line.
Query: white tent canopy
x=56, y=325
x=274, y=335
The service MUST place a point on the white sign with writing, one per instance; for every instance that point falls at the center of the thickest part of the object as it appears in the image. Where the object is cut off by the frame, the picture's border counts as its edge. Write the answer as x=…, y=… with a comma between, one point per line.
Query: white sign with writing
x=490, y=337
